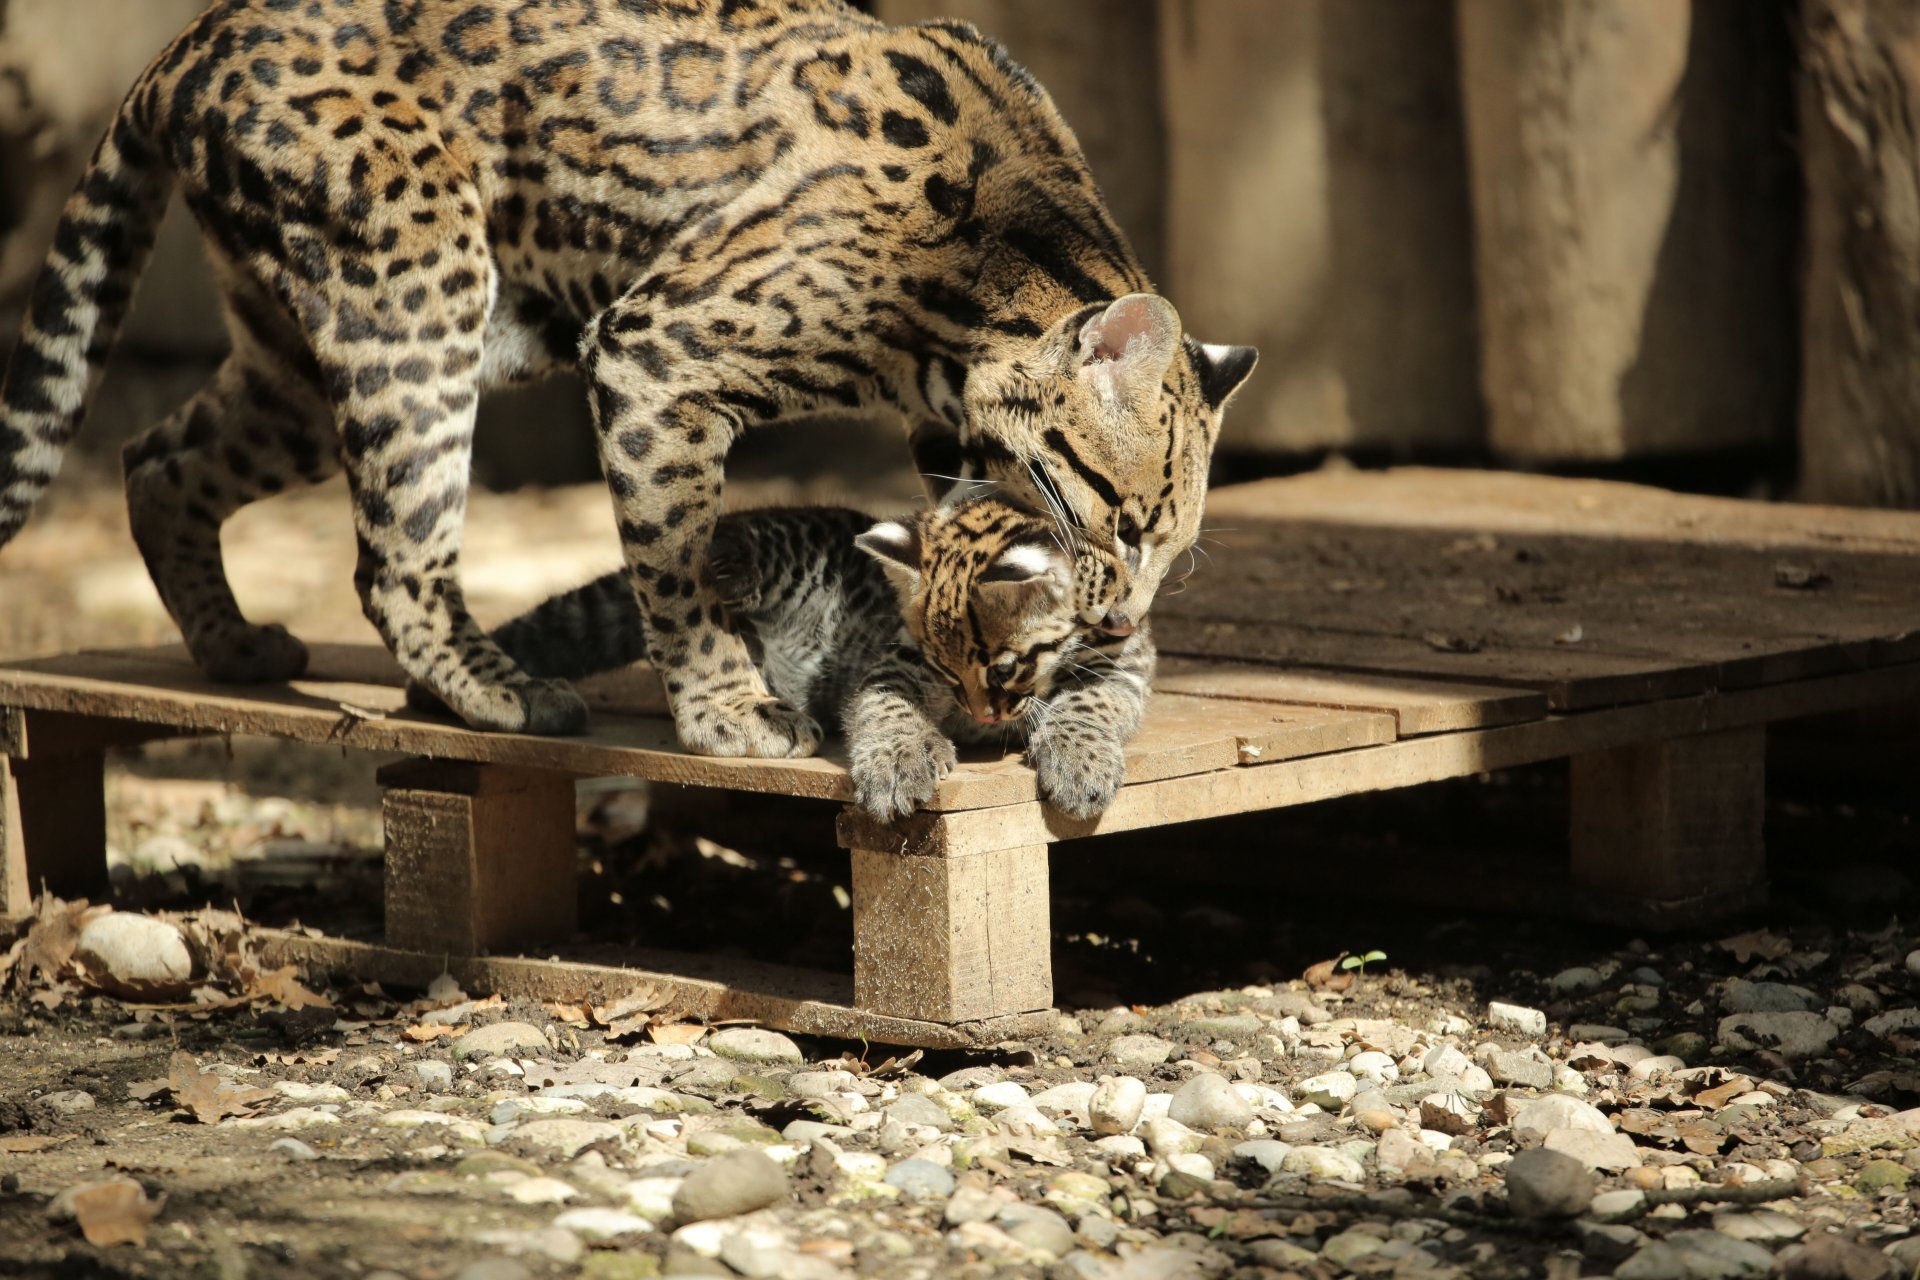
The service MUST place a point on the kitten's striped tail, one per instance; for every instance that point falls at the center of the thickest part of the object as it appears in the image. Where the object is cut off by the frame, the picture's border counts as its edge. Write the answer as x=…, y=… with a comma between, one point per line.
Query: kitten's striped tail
x=99, y=249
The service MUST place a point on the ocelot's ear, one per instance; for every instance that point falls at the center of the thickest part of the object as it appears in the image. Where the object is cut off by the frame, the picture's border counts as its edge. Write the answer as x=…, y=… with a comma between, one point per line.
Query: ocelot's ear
x=1125, y=350
x=1027, y=562
x=896, y=546
x=1222, y=370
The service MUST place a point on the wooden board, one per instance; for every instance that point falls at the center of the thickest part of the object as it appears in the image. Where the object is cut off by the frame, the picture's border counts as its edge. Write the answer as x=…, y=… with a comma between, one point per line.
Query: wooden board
x=706, y=988
x=1403, y=763
x=1417, y=706
x=352, y=696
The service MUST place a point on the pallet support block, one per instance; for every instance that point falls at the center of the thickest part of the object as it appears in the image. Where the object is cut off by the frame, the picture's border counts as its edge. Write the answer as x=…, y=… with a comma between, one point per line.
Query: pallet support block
x=951, y=937
x=1669, y=833
x=479, y=857
x=53, y=813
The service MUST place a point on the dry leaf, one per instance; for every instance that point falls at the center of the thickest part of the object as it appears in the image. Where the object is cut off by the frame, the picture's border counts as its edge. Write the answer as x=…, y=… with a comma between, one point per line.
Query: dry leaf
x=143, y=1090
x=282, y=986
x=27, y=1143
x=116, y=1211
x=426, y=1033
x=52, y=936
x=571, y=1014
x=1440, y=642
x=1721, y=1096
x=1758, y=942
x=632, y=1014
x=1327, y=976
x=206, y=1095
x=676, y=1032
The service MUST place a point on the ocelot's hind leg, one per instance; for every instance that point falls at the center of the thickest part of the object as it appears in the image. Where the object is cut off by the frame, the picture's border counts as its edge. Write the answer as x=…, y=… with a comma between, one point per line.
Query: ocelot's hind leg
x=256, y=428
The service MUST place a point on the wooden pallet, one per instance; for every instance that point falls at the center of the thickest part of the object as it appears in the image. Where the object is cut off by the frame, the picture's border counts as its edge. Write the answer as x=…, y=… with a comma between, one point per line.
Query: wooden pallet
x=1353, y=633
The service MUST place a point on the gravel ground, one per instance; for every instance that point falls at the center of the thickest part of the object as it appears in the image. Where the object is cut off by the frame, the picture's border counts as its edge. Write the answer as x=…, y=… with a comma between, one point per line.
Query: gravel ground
x=1502, y=1095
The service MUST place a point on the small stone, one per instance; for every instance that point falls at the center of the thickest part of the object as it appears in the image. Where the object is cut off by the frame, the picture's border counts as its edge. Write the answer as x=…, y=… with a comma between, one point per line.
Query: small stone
x=1140, y=1052
x=1696, y=1255
x=1399, y=1151
x=1519, y=1069
x=1796, y=1035
x=1906, y=1252
x=1281, y=1255
x=433, y=1076
x=1882, y=1175
x=972, y=1204
x=132, y=955
x=494, y=1269
x=1121, y=1146
x=1445, y=1062
x=1654, y=1067
x=921, y=1179
x=1575, y=981
x=540, y=1191
x=821, y=1084
x=1324, y=1162
x=1611, y=1206
x=1762, y=1226
x=919, y=1109
x=1238, y=1027
x=1166, y=1136
x=804, y=1131
x=999, y=1096
x=602, y=1224
x=1540, y=1117
x=1292, y=1004
x=293, y=1149
x=1375, y=1066
x=738, y=1182
x=1039, y=1229
x=565, y=1137
x=1349, y=1247
x=1208, y=1103
x=1548, y=1184
x=66, y=1102
x=1834, y=1257
x=1517, y=1018
x=1609, y=1151
x=1330, y=1091
x=1741, y=996
x=1265, y=1152
x=1070, y=1099
x=755, y=1044
x=1116, y=1105
x=502, y=1039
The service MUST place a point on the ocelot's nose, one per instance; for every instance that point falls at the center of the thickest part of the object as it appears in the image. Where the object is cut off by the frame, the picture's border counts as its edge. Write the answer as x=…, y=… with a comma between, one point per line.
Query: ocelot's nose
x=1116, y=624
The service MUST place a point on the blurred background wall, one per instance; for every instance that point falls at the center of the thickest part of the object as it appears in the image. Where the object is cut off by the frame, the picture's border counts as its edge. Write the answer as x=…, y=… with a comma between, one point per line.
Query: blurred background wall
x=1677, y=239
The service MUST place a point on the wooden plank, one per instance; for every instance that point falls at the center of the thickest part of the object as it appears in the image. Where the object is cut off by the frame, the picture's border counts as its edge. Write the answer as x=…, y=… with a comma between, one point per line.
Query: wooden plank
x=1403, y=763
x=952, y=939
x=16, y=882
x=1669, y=832
x=479, y=858
x=53, y=829
x=1417, y=706
x=798, y=1000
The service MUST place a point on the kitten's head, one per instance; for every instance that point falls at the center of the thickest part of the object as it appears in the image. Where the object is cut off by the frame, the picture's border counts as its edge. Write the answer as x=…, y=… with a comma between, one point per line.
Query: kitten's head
x=987, y=593
x=1108, y=422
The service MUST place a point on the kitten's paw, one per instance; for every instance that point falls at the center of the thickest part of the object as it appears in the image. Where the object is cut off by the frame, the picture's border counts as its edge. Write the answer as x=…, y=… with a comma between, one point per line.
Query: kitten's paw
x=520, y=705
x=1077, y=775
x=893, y=777
x=249, y=654
x=550, y=707
x=747, y=725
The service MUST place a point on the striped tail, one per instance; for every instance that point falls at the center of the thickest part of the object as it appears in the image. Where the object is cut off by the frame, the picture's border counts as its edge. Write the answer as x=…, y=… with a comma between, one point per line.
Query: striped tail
x=99, y=249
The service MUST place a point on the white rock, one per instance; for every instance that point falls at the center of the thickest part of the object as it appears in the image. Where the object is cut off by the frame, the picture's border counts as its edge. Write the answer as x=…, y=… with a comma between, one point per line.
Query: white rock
x=602, y=1224
x=1517, y=1018
x=1263, y=1097
x=1375, y=1066
x=1266, y=1153
x=1796, y=1035
x=132, y=952
x=1139, y=1051
x=1121, y=1146
x=1655, y=1067
x=298, y=1118
x=1536, y=1119
x=565, y=1137
x=1611, y=1205
x=1208, y=1103
x=540, y=1191
x=1475, y=1079
x=1331, y=1090
x=754, y=1044
x=652, y=1197
x=1066, y=1099
x=1165, y=1137
x=994, y=1097
x=1396, y=1152
x=1762, y=1226
x=1604, y=1151
x=1028, y=1119
x=1116, y=1105
x=1191, y=1163
x=1324, y=1162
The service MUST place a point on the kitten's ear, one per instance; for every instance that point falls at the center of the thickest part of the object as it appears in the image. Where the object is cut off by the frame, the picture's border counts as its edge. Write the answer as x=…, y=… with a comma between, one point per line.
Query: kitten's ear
x=896, y=546
x=1125, y=350
x=1222, y=370
x=1025, y=562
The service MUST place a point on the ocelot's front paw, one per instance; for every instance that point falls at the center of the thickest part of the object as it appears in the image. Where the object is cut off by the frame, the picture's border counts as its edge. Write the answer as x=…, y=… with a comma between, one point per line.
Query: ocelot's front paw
x=746, y=725
x=521, y=705
x=249, y=654
x=1077, y=774
x=894, y=775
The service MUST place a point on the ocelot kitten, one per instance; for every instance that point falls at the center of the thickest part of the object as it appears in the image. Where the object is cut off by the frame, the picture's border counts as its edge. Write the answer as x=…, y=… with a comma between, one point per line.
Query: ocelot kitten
x=908, y=636
x=722, y=212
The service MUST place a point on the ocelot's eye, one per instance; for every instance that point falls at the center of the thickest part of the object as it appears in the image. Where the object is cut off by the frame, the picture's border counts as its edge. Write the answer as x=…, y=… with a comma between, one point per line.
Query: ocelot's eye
x=1003, y=669
x=1128, y=531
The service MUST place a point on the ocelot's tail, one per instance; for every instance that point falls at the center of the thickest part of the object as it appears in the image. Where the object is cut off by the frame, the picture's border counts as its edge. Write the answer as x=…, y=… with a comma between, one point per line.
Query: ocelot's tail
x=79, y=300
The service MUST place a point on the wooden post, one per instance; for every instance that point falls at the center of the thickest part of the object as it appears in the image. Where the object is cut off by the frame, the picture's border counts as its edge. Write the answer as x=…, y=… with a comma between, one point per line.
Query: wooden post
x=479, y=857
x=946, y=936
x=1859, y=99
x=1669, y=833
x=1632, y=192
x=53, y=813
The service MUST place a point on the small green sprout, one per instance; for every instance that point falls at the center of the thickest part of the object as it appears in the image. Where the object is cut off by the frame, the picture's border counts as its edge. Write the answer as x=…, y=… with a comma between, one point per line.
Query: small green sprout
x=1361, y=962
